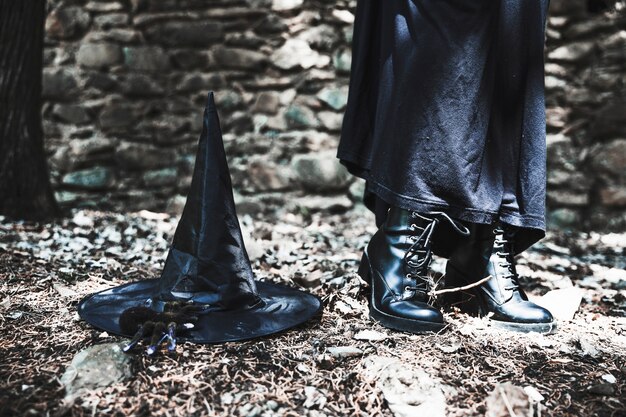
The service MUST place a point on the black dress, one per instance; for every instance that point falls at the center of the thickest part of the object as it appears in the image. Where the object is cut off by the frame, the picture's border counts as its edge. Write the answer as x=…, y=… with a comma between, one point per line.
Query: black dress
x=446, y=109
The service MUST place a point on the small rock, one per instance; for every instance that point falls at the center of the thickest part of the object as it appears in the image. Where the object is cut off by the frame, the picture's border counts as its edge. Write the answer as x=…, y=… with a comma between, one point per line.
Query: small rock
x=331, y=120
x=227, y=398
x=195, y=82
x=112, y=20
x=249, y=410
x=5, y=304
x=613, y=196
x=99, y=55
x=271, y=24
x=507, y=400
x=319, y=203
x=140, y=85
x=116, y=115
x=160, y=178
x=97, y=178
x=187, y=33
x=64, y=291
x=135, y=156
x=298, y=115
x=587, y=348
x=562, y=303
x=320, y=172
x=309, y=280
x=314, y=397
x=603, y=388
x=100, y=81
x=286, y=5
x=568, y=198
x=342, y=60
x=95, y=368
x=533, y=394
x=297, y=53
x=267, y=102
x=67, y=22
x=79, y=149
x=335, y=97
x=321, y=37
x=572, y=52
x=344, y=16
x=58, y=84
x=101, y=7
x=267, y=176
x=71, y=113
x=409, y=391
x=82, y=220
x=370, y=336
x=239, y=58
x=176, y=204
x=609, y=378
x=564, y=218
x=15, y=315
x=611, y=158
x=450, y=346
x=337, y=282
x=146, y=58
x=357, y=190
x=247, y=39
x=344, y=351
x=304, y=369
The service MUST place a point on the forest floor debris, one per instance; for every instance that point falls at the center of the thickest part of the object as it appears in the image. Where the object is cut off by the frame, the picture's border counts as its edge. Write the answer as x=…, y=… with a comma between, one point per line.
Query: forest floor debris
x=317, y=369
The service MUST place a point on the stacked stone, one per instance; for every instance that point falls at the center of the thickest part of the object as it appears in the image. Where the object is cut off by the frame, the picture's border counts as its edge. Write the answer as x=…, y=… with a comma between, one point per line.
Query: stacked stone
x=125, y=82
x=586, y=114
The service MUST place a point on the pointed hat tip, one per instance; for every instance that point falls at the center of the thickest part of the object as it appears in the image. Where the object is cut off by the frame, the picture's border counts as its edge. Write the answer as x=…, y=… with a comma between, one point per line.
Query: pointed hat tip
x=210, y=104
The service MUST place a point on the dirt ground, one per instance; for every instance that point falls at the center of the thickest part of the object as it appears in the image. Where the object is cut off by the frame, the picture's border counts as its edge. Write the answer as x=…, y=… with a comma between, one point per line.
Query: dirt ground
x=46, y=269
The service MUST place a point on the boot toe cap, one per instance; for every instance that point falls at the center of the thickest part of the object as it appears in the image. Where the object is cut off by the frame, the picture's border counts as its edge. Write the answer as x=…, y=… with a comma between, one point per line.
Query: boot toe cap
x=413, y=310
x=525, y=312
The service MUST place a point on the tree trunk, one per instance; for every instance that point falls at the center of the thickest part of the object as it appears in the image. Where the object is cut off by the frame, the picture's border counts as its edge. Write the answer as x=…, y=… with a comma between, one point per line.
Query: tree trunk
x=25, y=190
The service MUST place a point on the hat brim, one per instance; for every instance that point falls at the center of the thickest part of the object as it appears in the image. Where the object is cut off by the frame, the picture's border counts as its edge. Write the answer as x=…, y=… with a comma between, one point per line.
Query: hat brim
x=281, y=308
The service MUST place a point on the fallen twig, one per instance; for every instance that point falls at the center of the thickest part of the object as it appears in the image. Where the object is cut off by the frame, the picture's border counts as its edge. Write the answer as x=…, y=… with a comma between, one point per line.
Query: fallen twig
x=456, y=289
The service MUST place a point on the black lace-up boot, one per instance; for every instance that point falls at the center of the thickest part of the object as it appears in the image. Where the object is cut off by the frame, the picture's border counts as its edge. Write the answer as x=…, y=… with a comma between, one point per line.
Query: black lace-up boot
x=489, y=251
x=395, y=263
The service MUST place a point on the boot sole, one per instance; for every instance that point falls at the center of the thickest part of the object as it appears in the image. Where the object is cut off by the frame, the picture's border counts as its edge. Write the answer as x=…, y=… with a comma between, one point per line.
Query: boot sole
x=387, y=320
x=545, y=328
x=470, y=303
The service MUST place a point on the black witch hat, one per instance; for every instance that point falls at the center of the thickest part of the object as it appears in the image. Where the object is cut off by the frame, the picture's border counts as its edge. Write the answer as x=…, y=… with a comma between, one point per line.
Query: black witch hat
x=208, y=265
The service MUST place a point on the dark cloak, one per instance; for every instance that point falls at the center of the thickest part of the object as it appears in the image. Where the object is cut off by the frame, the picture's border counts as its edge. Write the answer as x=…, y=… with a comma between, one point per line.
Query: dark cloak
x=446, y=110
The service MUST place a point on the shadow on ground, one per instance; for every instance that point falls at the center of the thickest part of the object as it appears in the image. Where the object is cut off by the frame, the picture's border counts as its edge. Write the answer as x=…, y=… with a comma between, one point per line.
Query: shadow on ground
x=323, y=368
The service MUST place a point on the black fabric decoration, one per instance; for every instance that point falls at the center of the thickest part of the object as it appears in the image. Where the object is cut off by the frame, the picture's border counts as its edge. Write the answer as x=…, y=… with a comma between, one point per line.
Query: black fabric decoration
x=208, y=265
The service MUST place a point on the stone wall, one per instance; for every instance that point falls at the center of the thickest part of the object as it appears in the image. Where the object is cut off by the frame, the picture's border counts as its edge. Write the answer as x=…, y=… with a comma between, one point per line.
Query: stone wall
x=125, y=83
x=586, y=108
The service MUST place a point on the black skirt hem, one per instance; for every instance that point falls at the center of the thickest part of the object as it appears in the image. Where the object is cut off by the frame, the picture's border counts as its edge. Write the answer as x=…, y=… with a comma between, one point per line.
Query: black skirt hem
x=532, y=228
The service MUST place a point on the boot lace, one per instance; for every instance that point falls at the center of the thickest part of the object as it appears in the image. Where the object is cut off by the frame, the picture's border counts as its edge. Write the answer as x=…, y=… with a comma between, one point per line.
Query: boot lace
x=506, y=256
x=418, y=256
